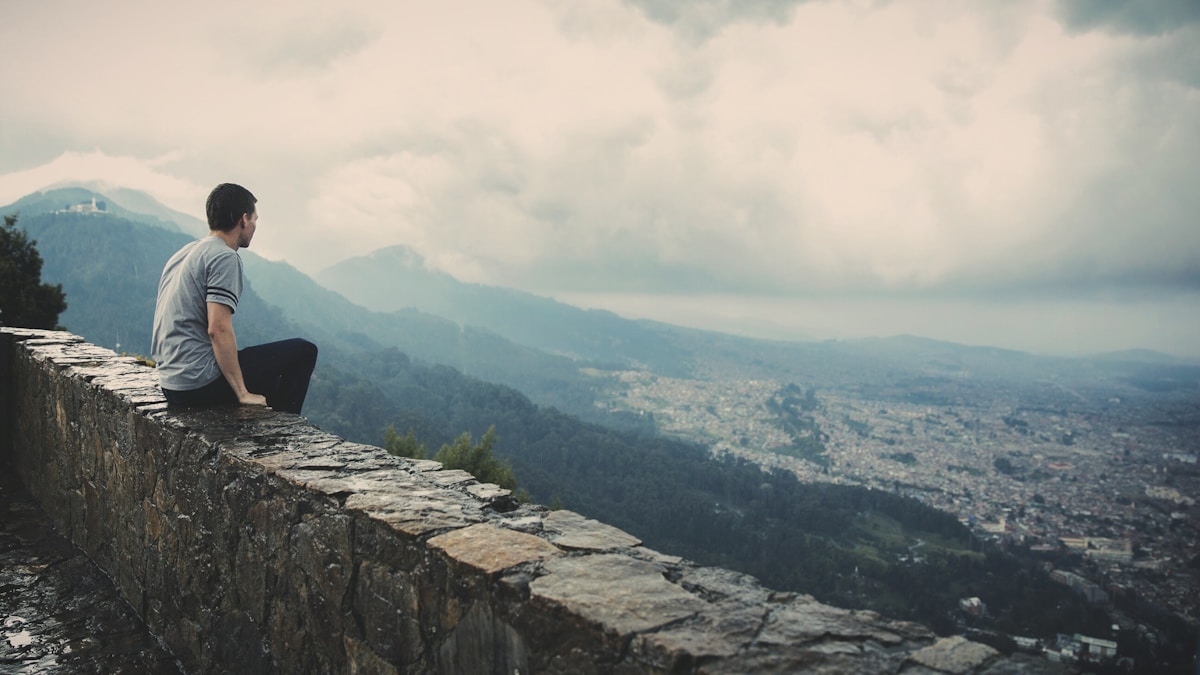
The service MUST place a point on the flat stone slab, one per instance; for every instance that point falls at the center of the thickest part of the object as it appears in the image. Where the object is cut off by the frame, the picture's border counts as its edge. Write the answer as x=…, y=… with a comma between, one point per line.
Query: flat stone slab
x=450, y=477
x=487, y=492
x=954, y=655
x=492, y=549
x=804, y=620
x=620, y=594
x=722, y=632
x=333, y=481
x=415, y=512
x=573, y=531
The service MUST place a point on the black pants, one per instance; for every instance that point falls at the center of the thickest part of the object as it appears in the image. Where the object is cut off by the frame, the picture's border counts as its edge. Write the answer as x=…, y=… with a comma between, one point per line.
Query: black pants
x=278, y=370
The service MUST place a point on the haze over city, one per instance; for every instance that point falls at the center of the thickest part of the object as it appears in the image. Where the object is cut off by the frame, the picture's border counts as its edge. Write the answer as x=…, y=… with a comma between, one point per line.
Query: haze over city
x=1019, y=175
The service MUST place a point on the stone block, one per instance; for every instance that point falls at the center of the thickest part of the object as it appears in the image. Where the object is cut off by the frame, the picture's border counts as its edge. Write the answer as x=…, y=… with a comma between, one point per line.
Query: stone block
x=616, y=593
x=491, y=549
x=570, y=530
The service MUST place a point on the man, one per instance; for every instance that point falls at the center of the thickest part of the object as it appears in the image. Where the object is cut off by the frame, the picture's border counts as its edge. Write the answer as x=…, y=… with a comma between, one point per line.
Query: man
x=193, y=343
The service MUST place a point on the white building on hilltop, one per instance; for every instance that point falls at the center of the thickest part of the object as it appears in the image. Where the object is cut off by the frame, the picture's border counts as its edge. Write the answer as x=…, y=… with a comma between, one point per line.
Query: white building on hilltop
x=86, y=207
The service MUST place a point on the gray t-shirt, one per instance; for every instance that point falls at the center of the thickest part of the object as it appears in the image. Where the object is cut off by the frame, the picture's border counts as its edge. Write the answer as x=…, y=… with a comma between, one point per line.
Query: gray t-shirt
x=204, y=271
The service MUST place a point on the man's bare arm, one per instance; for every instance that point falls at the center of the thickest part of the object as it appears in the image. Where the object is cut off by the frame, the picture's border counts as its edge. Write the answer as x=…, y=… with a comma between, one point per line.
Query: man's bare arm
x=224, y=342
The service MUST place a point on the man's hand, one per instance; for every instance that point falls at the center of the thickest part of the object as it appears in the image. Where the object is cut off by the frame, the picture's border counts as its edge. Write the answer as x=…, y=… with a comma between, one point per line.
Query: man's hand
x=252, y=399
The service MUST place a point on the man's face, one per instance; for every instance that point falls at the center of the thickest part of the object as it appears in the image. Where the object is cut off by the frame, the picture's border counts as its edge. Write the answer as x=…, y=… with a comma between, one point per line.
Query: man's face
x=248, y=225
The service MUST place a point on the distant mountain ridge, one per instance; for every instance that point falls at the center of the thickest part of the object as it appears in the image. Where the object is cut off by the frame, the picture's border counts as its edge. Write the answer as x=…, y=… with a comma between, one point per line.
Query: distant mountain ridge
x=1148, y=356
x=396, y=278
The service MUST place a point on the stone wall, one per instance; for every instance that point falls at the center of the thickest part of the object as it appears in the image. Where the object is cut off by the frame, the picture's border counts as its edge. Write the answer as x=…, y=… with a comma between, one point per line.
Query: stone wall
x=251, y=541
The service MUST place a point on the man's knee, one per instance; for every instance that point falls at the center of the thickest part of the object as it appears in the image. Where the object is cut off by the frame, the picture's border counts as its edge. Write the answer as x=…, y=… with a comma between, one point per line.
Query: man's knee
x=302, y=352
x=308, y=349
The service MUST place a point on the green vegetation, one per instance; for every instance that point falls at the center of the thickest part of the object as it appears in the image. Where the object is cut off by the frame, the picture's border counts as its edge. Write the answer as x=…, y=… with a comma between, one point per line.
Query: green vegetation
x=476, y=460
x=858, y=426
x=403, y=446
x=24, y=300
x=1017, y=424
x=1004, y=465
x=793, y=409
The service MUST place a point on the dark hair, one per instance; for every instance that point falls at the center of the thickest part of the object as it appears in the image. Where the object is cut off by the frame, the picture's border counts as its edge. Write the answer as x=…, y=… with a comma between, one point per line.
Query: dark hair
x=226, y=204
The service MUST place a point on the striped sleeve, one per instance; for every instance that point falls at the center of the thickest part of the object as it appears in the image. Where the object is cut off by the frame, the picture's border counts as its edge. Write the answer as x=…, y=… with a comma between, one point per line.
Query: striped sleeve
x=224, y=279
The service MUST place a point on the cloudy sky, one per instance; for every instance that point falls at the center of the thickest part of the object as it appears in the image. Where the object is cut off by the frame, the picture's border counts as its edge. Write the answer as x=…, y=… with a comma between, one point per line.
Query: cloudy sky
x=1022, y=174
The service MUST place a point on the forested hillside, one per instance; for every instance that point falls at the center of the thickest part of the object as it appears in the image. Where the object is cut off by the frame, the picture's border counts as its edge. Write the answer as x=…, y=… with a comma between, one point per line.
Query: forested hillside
x=846, y=545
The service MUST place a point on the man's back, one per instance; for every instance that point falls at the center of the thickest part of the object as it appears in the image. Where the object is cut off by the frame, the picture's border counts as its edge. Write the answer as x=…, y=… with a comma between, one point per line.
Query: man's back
x=203, y=271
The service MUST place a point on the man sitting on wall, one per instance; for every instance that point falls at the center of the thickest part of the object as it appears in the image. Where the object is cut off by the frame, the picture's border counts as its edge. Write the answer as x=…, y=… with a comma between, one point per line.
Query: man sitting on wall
x=193, y=342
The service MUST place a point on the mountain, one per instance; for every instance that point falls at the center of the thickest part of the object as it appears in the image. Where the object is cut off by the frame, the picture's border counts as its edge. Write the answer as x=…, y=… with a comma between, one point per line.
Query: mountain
x=1147, y=356
x=546, y=378
x=905, y=366
x=396, y=278
x=141, y=203
x=129, y=205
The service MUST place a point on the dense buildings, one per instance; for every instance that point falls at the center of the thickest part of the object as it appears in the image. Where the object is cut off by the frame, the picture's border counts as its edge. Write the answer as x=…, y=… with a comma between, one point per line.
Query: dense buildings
x=1052, y=467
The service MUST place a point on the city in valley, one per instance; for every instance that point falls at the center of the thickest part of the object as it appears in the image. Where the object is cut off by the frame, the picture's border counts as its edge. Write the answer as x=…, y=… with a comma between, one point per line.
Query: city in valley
x=1106, y=467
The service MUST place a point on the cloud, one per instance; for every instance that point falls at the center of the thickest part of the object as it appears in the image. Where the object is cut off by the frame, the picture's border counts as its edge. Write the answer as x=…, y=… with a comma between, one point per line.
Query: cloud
x=152, y=175
x=304, y=45
x=701, y=19
x=1137, y=18
x=782, y=148
x=921, y=162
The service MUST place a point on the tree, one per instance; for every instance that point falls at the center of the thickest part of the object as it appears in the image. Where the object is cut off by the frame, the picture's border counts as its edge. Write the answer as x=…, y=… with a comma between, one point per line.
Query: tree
x=24, y=300
x=477, y=460
x=403, y=446
x=1004, y=465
